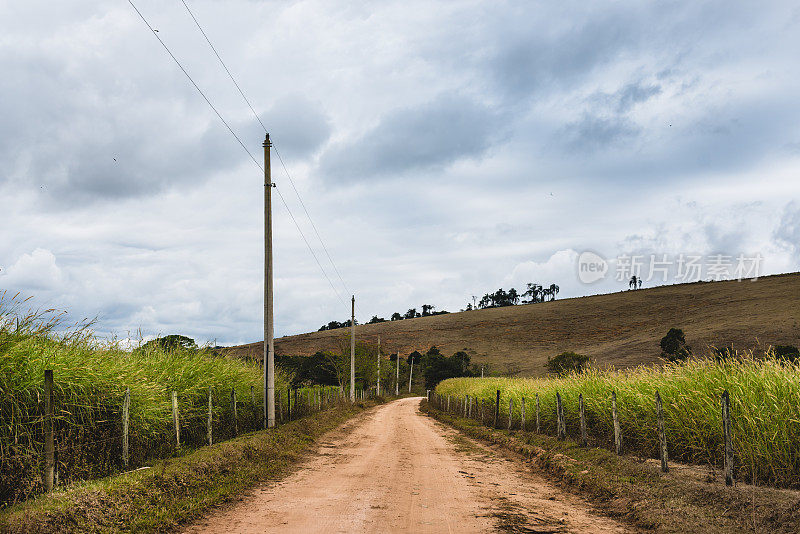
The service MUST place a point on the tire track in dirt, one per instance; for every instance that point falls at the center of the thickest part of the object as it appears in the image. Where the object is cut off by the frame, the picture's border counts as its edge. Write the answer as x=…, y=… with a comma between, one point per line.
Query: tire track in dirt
x=396, y=470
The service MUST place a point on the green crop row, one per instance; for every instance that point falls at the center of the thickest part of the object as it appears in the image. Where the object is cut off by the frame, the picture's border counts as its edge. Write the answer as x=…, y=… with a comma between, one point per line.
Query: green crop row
x=765, y=410
x=90, y=380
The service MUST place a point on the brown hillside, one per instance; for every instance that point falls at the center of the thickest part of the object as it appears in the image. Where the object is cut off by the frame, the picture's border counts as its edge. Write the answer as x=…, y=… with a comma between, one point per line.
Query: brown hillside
x=620, y=329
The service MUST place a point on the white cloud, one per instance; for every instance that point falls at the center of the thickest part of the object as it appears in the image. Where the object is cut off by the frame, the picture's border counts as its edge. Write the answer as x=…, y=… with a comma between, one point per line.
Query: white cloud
x=36, y=270
x=450, y=121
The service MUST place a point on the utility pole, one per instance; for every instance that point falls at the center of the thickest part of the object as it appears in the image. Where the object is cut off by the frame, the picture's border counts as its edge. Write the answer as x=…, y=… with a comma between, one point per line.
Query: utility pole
x=397, y=376
x=410, y=372
x=353, y=350
x=379, y=366
x=269, y=344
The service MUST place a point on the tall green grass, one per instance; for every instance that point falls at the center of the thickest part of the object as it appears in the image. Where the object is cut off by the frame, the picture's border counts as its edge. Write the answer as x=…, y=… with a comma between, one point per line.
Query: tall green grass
x=90, y=379
x=765, y=409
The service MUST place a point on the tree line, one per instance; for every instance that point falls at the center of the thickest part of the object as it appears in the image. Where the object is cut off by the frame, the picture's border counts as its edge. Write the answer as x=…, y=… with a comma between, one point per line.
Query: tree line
x=412, y=313
x=332, y=367
x=534, y=293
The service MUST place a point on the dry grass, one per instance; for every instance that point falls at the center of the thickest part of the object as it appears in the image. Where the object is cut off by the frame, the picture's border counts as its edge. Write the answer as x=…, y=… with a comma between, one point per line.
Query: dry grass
x=619, y=329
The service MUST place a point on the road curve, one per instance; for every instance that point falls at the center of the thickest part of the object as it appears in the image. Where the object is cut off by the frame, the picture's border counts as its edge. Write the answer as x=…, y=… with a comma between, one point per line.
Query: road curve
x=396, y=470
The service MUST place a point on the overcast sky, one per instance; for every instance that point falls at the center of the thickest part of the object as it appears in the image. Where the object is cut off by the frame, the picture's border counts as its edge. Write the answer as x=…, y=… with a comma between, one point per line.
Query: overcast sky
x=443, y=149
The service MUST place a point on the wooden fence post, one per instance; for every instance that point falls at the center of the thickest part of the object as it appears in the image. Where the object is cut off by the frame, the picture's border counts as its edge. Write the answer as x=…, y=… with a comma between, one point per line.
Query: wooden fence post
x=584, y=436
x=562, y=427
x=497, y=408
x=288, y=403
x=538, y=427
x=126, y=409
x=510, y=412
x=522, y=415
x=617, y=431
x=233, y=412
x=469, y=407
x=726, y=429
x=49, y=432
x=209, y=415
x=662, y=438
x=175, y=419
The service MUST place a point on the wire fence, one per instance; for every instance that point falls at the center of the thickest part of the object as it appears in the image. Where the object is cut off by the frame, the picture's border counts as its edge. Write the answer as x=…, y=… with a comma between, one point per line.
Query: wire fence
x=99, y=438
x=510, y=412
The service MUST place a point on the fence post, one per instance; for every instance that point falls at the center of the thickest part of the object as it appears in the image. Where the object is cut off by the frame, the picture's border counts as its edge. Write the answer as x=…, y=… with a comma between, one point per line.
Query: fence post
x=584, y=437
x=126, y=408
x=469, y=406
x=538, y=427
x=662, y=439
x=497, y=408
x=522, y=414
x=175, y=419
x=209, y=415
x=49, y=431
x=510, y=412
x=448, y=404
x=617, y=431
x=562, y=427
x=726, y=429
x=233, y=412
x=288, y=403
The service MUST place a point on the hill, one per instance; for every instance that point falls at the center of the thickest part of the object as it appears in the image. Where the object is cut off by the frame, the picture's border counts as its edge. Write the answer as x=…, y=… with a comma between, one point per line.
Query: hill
x=618, y=329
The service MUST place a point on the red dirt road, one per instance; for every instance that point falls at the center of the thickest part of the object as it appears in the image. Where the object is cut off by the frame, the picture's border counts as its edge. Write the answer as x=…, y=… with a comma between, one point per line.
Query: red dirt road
x=396, y=470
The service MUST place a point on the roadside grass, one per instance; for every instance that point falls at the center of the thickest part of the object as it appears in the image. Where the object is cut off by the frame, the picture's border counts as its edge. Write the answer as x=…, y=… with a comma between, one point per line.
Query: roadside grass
x=175, y=490
x=89, y=387
x=637, y=492
x=764, y=409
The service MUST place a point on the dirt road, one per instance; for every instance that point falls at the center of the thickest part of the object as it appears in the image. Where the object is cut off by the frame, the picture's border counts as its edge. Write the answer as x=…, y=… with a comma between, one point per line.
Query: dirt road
x=396, y=470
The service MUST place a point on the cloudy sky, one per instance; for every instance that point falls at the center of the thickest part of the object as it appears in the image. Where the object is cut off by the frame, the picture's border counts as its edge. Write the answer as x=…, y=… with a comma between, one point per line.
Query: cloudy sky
x=443, y=150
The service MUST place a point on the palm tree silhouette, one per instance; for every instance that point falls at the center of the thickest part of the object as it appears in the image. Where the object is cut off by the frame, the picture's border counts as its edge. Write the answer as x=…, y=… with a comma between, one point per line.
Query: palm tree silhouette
x=553, y=291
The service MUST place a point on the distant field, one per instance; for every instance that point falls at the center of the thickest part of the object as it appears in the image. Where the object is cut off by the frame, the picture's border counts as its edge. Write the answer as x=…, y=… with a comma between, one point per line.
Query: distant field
x=620, y=329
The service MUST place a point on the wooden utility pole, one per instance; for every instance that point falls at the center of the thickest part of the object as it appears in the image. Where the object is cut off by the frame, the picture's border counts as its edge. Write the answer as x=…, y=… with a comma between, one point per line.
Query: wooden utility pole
x=410, y=372
x=379, y=366
x=353, y=349
x=269, y=344
x=397, y=376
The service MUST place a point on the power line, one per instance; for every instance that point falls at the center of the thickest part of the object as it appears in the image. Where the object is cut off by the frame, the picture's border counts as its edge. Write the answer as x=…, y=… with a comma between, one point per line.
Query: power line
x=237, y=137
x=155, y=33
x=285, y=170
x=223, y=64
x=314, y=226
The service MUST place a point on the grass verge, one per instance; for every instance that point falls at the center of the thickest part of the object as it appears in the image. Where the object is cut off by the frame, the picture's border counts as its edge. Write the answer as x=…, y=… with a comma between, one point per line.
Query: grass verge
x=637, y=492
x=178, y=489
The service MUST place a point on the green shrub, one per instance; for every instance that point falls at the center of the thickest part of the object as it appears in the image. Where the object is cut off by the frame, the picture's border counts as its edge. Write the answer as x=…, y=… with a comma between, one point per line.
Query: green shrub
x=788, y=353
x=673, y=346
x=567, y=362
